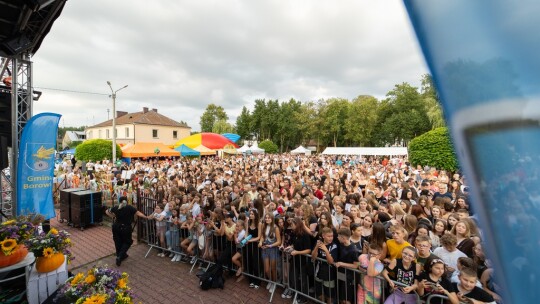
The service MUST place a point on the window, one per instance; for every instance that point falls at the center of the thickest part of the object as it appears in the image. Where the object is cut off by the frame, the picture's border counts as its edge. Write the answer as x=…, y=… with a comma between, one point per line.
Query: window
x=127, y=132
x=175, y=134
x=107, y=132
x=154, y=133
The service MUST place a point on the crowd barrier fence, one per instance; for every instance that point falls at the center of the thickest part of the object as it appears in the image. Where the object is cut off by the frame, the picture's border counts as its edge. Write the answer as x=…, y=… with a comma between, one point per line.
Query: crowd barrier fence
x=304, y=277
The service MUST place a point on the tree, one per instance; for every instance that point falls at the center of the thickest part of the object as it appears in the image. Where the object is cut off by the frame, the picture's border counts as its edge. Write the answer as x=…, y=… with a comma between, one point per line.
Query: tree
x=212, y=114
x=287, y=126
x=361, y=120
x=244, y=124
x=334, y=115
x=434, y=149
x=96, y=149
x=401, y=116
x=432, y=103
x=268, y=146
x=222, y=126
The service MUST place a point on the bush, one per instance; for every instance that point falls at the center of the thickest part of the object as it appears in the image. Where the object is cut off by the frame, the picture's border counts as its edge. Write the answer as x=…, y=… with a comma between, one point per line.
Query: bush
x=434, y=149
x=268, y=146
x=96, y=149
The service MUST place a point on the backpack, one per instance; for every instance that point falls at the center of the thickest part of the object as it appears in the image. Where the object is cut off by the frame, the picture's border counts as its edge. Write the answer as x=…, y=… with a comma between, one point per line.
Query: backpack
x=211, y=278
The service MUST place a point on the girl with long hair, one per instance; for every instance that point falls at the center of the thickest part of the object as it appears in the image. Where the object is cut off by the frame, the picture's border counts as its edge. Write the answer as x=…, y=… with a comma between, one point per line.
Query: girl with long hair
x=269, y=240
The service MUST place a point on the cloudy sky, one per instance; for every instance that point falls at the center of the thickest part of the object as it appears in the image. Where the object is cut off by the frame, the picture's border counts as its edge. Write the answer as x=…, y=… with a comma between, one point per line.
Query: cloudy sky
x=180, y=56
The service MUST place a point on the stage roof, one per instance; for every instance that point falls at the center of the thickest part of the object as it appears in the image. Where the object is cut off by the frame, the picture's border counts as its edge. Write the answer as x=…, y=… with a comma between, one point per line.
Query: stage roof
x=25, y=23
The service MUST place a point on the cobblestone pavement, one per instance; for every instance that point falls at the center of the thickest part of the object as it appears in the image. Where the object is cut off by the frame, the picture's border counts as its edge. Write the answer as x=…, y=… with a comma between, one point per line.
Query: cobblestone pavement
x=155, y=279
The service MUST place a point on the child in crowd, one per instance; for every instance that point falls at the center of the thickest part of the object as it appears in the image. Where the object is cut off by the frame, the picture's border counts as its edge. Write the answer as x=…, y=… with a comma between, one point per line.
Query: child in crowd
x=347, y=258
x=159, y=216
x=402, y=271
x=432, y=281
x=369, y=287
x=464, y=262
x=468, y=292
x=449, y=253
x=172, y=236
x=239, y=234
x=325, y=278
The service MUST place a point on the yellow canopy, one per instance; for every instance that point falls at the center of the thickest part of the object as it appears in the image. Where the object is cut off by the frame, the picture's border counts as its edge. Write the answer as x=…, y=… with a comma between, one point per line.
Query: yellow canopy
x=204, y=150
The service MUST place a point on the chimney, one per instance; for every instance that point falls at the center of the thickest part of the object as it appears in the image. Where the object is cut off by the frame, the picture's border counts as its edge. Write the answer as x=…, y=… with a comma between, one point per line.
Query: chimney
x=155, y=110
x=120, y=113
x=145, y=109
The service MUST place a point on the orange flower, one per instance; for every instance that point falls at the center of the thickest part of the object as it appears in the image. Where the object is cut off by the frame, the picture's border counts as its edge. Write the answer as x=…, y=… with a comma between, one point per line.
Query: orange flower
x=53, y=231
x=96, y=299
x=77, y=279
x=90, y=279
x=122, y=283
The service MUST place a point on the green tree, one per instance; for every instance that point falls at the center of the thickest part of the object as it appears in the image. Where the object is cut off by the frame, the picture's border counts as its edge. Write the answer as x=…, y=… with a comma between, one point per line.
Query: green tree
x=96, y=149
x=244, y=124
x=401, y=116
x=212, y=114
x=307, y=119
x=334, y=115
x=287, y=125
x=361, y=120
x=434, y=149
x=259, y=119
x=432, y=103
x=222, y=126
x=268, y=146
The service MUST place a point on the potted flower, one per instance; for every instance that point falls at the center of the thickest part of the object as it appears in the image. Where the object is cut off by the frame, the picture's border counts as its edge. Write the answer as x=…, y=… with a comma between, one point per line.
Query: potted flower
x=13, y=233
x=99, y=285
x=49, y=249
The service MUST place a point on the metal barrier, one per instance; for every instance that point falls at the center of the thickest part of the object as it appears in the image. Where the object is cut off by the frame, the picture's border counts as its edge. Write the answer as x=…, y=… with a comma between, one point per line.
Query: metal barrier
x=442, y=298
x=398, y=293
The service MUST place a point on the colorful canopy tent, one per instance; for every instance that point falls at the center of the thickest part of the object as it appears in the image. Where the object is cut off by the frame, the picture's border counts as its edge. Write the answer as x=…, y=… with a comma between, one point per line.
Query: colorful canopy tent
x=232, y=137
x=204, y=150
x=148, y=150
x=301, y=150
x=187, y=151
x=210, y=140
x=230, y=149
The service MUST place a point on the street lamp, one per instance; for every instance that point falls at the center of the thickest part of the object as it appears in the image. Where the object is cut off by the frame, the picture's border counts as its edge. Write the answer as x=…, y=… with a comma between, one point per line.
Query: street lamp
x=113, y=95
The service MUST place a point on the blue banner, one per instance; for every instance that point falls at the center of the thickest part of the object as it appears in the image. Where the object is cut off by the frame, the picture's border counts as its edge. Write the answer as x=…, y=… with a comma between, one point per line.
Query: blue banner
x=483, y=56
x=35, y=168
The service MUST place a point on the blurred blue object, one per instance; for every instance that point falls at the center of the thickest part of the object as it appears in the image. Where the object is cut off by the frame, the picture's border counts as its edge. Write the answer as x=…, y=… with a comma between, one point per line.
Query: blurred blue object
x=187, y=151
x=483, y=56
x=232, y=137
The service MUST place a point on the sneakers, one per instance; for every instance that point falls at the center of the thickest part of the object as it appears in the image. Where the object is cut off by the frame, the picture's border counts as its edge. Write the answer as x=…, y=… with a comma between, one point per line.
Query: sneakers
x=272, y=288
x=172, y=255
x=254, y=286
x=287, y=294
x=268, y=285
x=161, y=255
x=175, y=258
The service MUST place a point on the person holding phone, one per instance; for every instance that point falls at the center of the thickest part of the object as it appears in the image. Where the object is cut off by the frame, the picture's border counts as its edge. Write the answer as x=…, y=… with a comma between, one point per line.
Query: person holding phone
x=468, y=292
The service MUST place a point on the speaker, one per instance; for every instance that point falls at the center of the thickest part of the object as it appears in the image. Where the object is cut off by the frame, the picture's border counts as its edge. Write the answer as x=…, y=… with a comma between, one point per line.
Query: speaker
x=17, y=45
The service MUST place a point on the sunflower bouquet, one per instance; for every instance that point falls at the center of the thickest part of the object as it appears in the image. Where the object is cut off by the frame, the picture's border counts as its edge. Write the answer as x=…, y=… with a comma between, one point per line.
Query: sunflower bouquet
x=13, y=233
x=100, y=284
x=47, y=244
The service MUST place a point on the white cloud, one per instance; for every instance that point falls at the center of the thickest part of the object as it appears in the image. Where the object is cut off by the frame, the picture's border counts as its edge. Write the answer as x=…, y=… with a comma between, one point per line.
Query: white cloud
x=179, y=56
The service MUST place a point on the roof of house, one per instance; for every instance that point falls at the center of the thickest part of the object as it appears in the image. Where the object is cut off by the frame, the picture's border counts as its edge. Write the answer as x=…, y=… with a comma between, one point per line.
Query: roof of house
x=147, y=117
x=75, y=135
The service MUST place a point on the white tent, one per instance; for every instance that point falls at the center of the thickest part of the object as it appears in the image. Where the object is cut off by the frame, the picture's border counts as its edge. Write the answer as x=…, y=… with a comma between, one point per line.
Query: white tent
x=255, y=149
x=366, y=151
x=243, y=149
x=301, y=150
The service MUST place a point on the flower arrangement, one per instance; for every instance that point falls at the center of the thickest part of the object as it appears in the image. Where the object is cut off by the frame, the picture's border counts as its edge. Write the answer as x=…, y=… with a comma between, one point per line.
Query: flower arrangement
x=47, y=244
x=99, y=285
x=14, y=232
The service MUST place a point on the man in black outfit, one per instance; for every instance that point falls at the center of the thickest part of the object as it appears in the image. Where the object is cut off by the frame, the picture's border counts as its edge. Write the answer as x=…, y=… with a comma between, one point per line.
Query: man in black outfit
x=123, y=216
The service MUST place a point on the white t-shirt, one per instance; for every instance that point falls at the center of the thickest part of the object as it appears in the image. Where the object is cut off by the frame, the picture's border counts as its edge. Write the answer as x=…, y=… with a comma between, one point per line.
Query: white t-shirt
x=449, y=258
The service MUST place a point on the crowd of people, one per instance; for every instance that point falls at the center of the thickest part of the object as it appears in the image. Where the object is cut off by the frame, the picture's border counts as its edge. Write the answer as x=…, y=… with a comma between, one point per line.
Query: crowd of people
x=411, y=228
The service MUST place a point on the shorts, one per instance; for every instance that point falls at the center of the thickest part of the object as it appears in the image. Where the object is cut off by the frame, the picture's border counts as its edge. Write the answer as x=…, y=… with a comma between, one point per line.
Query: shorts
x=270, y=253
x=326, y=288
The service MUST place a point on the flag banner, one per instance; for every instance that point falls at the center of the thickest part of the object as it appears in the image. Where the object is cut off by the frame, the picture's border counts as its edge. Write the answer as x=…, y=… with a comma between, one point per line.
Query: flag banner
x=35, y=168
x=483, y=56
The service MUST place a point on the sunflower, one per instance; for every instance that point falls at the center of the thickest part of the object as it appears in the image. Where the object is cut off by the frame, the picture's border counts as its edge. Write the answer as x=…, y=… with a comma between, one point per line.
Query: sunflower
x=67, y=241
x=53, y=231
x=77, y=279
x=90, y=279
x=96, y=299
x=48, y=252
x=122, y=283
x=8, y=245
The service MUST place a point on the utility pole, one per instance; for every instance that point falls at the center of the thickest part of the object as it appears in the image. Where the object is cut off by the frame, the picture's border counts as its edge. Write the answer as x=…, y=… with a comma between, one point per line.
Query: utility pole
x=113, y=96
